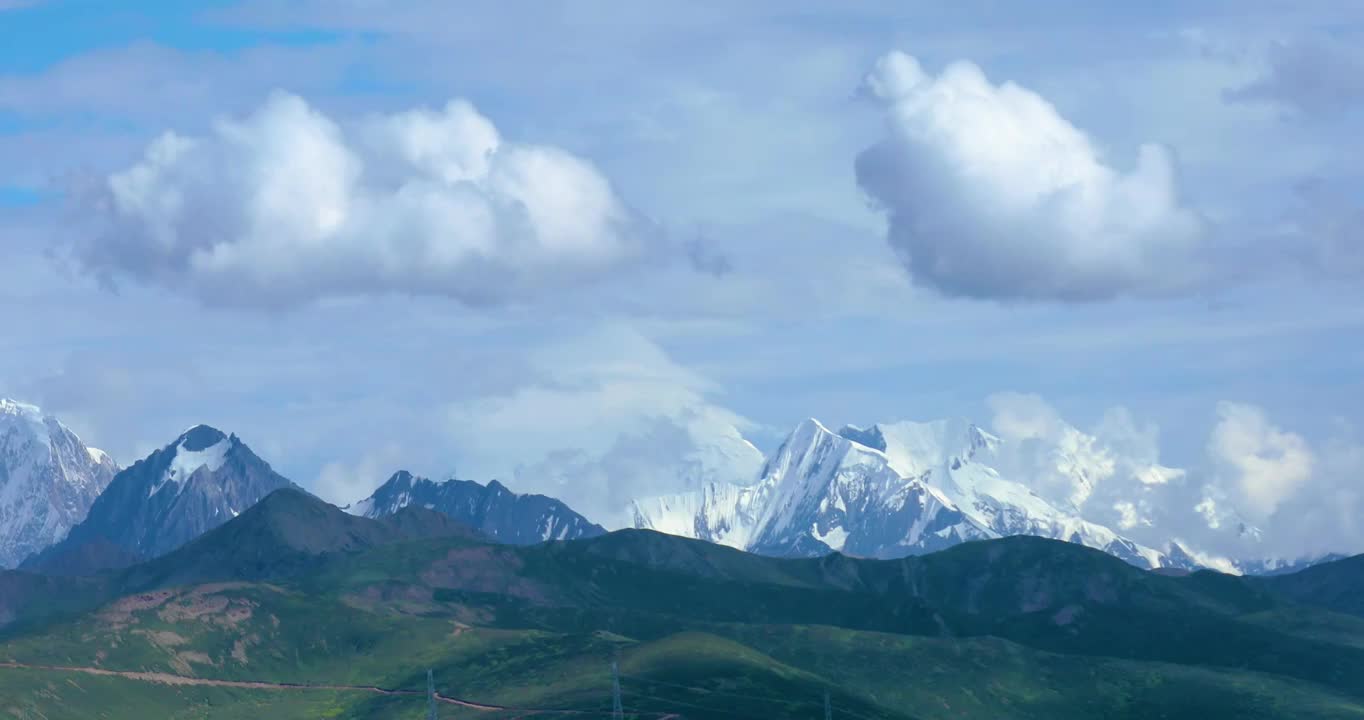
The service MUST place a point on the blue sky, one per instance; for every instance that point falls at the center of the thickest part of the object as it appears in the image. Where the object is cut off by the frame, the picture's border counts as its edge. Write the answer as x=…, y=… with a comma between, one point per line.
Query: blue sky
x=706, y=250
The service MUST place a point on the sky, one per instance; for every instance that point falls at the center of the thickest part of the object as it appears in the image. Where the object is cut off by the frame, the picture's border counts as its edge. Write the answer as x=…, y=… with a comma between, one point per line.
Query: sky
x=554, y=243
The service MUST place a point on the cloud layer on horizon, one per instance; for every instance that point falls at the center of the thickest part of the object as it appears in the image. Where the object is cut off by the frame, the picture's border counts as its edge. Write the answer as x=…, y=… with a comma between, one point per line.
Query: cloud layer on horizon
x=1246, y=500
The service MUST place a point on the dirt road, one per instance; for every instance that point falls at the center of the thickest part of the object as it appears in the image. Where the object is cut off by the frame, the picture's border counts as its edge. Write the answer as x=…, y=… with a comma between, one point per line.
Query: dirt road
x=169, y=679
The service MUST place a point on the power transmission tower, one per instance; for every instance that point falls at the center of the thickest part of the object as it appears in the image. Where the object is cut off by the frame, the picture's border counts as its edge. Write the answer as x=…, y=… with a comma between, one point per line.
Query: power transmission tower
x=617, y=710
x=828, y=707
x=430, y=696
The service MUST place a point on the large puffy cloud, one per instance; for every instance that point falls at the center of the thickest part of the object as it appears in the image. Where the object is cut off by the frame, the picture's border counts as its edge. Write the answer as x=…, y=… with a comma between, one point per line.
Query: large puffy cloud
x=1262, y=464
x=1305, y=495
x=286, y=205
x=991, y=193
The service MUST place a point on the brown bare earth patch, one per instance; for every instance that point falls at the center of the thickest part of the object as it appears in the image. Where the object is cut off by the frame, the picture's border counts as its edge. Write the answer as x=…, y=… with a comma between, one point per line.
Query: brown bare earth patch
x=192, y=607
x=394, y=598
x=241, y=645
x=122, y=612
x=206, y=604
x=183, y=662
x=215, y=588
x=483, y=569
x=238, y=611
x=162, y=638
x=196, y=657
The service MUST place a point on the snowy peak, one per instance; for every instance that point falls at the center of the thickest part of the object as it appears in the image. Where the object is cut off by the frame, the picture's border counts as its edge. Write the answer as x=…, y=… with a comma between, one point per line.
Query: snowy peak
x=914, y=448
x=493, y=509
x=395, y=494
x=48, y=480
x=823, y=491
x=721, y=513
x=201, y=448
x=14, y=412
x=194, y=484
x=887, y=490
x=28, y=413
x=868, y=437
x=820, y=491
x=200, y=438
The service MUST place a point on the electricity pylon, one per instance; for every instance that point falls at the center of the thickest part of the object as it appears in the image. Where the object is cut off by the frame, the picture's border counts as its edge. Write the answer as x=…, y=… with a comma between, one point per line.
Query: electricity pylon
x=430, y=696
x=617, y=710
x=828, y=707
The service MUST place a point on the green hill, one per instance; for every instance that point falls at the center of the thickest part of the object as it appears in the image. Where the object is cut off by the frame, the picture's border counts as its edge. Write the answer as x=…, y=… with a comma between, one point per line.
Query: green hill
x=325, y=609
x=1336, y=585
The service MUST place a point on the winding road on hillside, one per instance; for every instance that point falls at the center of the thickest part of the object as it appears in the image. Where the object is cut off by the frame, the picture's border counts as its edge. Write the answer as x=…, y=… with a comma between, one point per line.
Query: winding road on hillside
x=170, y=679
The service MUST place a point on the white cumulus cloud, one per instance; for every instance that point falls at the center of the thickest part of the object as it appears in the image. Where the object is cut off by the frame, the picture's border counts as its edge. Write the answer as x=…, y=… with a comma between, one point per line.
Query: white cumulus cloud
x=1023, y=416
x=287, y=205
x=989, y=192
x=1262, y=465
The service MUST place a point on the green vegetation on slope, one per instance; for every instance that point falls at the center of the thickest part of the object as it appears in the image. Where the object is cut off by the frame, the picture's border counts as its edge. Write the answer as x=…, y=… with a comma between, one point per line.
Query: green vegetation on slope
x=1020, y=628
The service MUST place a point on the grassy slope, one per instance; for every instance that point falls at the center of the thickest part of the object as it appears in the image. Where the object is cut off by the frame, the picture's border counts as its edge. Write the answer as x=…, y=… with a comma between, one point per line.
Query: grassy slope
x=1336, y=585
x=44, y=695
x=1022, y=629
x=755, y=666
x=987, y=678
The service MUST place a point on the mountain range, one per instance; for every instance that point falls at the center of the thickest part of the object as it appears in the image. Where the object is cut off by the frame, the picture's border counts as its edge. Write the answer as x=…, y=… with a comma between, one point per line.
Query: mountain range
x=196, y=483
x=492, y=509
x=882, y=492
x=908, y=488
x=68, y=510
x=885, y=491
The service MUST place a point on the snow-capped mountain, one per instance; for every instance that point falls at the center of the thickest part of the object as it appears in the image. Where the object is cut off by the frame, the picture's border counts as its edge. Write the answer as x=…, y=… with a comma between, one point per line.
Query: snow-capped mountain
x=48, y=480
x=885, y=491
x=174, y=495
x=491, y=509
